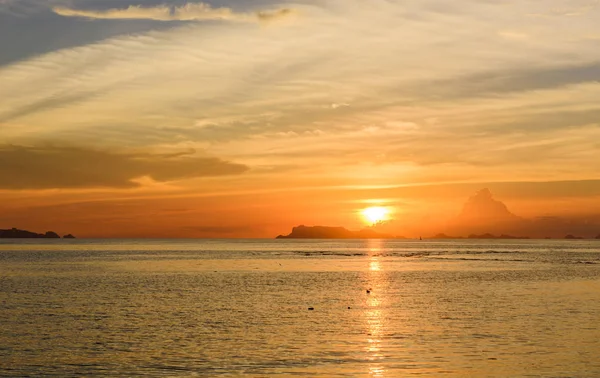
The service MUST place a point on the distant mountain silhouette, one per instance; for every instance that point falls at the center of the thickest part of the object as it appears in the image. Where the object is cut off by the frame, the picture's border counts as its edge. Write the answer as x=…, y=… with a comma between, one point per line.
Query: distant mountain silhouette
x=557, y=227
x=481, y=217
x=482, y=236
x=490, y=236
x=572, y=237
x=483, y=207
x=14, y=233
x=444, y=236
x=482, y=214
x=323, y=232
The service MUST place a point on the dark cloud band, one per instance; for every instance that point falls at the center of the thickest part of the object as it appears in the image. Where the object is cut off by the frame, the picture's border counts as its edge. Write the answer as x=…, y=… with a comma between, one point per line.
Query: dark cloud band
x=24, y=167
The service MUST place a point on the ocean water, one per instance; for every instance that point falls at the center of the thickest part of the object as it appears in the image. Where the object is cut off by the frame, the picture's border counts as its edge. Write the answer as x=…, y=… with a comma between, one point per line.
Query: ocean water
x=241, y=307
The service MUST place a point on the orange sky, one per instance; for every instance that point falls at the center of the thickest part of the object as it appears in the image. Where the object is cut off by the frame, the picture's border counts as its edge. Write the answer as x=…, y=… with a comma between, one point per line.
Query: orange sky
x=243, y=119
x=268, y=212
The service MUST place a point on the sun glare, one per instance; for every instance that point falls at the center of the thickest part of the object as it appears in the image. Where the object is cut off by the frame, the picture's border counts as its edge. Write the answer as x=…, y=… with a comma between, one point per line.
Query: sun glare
x=375, y=214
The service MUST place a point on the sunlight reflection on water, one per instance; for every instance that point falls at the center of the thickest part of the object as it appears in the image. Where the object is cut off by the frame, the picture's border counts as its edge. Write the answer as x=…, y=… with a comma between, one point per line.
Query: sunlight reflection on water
x=373, y=314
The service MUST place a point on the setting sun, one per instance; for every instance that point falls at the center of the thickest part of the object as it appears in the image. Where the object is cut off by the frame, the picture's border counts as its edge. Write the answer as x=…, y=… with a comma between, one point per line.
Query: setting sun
x=375, y=214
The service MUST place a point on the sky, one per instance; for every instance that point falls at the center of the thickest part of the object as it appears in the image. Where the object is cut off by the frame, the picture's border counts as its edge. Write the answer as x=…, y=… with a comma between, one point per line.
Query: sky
x=123, y=118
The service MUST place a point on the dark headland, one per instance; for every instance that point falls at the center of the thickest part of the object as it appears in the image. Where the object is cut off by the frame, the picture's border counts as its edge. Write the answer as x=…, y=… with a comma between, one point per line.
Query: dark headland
x=323, y=232
x=15, y=233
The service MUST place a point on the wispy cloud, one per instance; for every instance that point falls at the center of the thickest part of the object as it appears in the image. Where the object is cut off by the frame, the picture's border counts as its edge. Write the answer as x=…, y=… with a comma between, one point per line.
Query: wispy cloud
x=187, y=12
x=577, y=8
x=398, y=88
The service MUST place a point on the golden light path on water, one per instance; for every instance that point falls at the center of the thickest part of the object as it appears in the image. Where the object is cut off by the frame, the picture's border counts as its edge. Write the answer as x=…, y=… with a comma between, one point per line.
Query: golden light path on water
x=374, y=313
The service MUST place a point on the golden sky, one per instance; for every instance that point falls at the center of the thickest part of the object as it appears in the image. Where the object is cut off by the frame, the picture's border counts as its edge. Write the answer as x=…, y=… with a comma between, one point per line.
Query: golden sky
x=244, y=118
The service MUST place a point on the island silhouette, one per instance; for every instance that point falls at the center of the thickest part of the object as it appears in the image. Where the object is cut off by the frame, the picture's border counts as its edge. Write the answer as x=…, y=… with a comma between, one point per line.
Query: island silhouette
x=481, y=217
x=324, y=232
x=573, y=237
x=15, y=233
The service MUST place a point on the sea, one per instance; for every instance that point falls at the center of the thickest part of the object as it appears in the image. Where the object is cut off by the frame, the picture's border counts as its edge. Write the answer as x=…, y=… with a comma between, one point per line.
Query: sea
x=330, y=308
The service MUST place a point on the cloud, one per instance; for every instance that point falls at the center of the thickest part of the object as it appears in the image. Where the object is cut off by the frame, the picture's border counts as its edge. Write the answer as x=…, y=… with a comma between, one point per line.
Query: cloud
x=516, y=80
x=23, y=36
x=267, y=16
x=25, y=167
x=187, y=12
x=54, y=102
x=22, y=8
x=570, y=10
x=399, y=64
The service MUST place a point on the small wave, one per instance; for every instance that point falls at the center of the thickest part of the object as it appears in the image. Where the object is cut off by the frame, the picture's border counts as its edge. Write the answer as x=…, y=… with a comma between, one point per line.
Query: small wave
x=476, y=259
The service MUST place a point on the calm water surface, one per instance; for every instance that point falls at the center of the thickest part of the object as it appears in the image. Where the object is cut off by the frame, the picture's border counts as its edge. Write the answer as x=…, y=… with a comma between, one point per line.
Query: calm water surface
x=240, y=307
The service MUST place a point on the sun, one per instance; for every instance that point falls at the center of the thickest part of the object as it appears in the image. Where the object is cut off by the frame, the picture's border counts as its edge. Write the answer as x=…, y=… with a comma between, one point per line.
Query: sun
x=375, y=214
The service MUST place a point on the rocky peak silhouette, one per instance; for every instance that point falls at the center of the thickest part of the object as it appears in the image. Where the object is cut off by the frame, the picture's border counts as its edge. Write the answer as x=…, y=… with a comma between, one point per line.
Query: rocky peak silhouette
x=483, y=206
x=324, y=232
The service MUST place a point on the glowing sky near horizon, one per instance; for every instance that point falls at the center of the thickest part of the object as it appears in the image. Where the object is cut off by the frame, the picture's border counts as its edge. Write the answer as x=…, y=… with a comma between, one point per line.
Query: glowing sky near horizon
x=243, y=118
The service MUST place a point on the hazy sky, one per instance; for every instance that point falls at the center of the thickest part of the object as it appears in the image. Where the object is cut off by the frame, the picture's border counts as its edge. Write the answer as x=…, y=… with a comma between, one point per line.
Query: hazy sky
x=243, y=118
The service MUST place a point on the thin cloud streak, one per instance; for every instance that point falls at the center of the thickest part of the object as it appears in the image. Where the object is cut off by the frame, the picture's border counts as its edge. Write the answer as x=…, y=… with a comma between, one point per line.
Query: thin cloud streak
x=187, y=12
